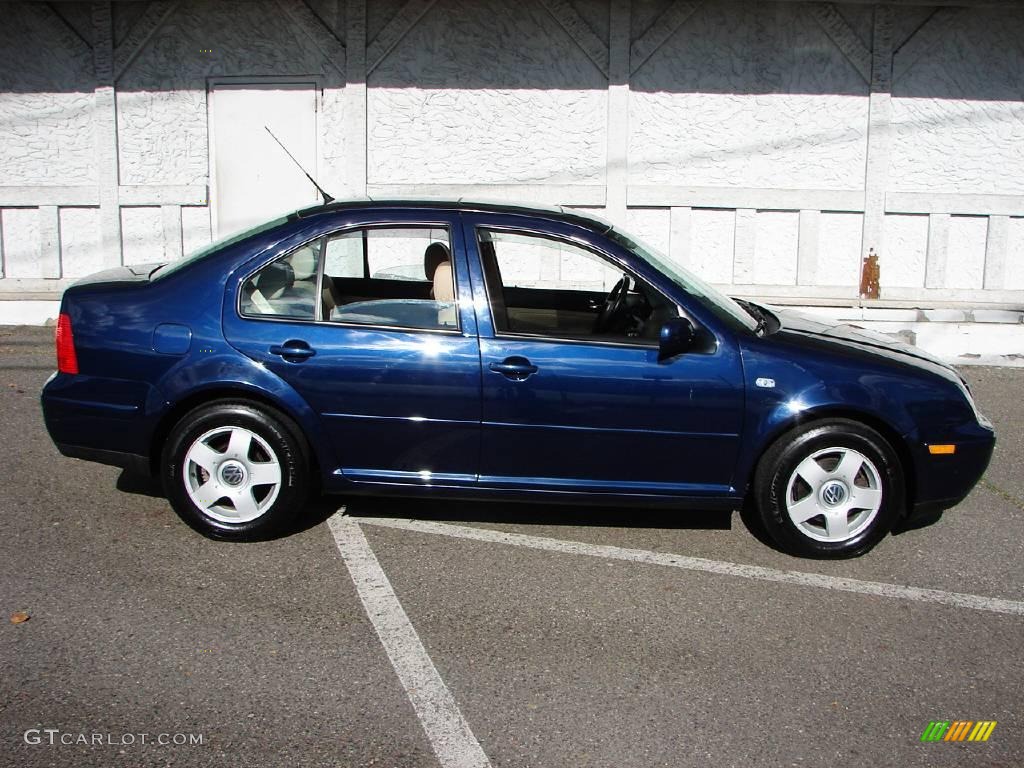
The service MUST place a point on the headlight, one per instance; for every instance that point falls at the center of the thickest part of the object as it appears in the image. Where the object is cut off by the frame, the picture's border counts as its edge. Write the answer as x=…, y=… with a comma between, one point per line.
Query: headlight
x=966, y=390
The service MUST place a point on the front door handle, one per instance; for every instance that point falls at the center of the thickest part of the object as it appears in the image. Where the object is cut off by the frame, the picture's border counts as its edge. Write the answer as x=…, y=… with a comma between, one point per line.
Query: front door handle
x=293, y=350
x=514, y=368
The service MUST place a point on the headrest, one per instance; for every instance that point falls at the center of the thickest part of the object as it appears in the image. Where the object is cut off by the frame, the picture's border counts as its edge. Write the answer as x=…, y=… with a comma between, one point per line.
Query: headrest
x=303, y=261
x=275, y=278
x=436, y=254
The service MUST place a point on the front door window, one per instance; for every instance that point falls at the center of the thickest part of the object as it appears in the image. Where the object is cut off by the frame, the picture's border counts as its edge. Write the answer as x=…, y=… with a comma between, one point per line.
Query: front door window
x=541, y=286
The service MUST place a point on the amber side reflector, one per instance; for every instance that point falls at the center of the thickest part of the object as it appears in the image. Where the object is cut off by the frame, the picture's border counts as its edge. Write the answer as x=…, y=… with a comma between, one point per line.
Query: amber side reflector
x=941, y=450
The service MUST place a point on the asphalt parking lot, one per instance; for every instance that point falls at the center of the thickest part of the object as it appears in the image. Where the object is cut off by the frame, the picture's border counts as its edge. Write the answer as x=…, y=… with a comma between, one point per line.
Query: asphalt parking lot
x=410, y=634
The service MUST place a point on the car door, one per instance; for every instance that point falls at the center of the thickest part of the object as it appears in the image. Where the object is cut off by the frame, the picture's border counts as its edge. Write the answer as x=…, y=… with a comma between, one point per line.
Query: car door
x=565, y=407
x=350, y=321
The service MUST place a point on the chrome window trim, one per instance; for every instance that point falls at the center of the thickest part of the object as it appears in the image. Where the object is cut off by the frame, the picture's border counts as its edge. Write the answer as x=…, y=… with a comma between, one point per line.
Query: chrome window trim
x=354, y=326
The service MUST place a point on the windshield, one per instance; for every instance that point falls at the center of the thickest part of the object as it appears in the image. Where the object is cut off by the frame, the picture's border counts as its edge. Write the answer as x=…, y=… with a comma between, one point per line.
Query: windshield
x=723, y=306
x=170, y=268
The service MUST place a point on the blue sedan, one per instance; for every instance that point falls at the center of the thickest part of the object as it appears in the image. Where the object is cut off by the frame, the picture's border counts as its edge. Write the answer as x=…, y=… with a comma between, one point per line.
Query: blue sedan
x=496, y=352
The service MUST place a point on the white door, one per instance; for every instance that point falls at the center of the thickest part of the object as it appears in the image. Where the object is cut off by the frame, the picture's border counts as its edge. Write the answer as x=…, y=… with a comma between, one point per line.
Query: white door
x=254, y=180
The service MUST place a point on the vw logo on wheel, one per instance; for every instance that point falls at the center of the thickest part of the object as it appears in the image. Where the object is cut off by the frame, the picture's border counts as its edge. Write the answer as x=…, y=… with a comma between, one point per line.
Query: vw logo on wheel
x=232, y=474
x=833, y=493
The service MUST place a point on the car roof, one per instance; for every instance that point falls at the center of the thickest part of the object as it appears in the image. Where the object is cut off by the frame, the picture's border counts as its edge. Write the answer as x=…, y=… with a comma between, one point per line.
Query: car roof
x=557, y=212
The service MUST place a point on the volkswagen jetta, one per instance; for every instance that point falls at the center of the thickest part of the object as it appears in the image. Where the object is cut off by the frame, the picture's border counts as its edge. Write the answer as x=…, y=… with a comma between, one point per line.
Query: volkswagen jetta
x=496, y=352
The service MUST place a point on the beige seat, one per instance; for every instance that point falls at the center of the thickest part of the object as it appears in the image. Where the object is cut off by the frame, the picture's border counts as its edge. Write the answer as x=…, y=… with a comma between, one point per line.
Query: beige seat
x=444, y=286
x=330, y=296
x=297, y=297
x=443, y=290
x=262, y=294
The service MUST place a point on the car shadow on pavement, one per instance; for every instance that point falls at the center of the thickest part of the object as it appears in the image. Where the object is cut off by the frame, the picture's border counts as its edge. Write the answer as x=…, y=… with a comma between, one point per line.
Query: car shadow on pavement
x=139, y=484
x=320, y=509
x=528, y=513
x=314, y=513
x=532, y=513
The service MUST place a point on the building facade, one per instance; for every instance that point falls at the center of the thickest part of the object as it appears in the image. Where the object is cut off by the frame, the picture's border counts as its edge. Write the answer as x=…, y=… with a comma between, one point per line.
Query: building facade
x=769, y=146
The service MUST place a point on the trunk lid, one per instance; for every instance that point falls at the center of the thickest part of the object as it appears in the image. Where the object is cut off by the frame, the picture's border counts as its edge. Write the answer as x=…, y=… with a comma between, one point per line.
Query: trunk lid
x=135, y=273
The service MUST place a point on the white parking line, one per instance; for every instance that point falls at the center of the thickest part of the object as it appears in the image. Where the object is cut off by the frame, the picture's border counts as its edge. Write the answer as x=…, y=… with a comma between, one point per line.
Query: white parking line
x=801, y=578
x=448, y=731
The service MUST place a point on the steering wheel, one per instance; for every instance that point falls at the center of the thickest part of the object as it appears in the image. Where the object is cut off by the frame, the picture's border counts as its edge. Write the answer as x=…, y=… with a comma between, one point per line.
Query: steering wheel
x=614, y=302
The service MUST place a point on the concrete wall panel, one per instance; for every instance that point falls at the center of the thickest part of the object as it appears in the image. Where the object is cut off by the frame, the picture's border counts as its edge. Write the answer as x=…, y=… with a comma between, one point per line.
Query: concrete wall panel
x=1014, y=276
x=966, y=259
x=775, y=247
x=142, y=233
x=712, y=240
x=21, y=242
x=80, y=252
x=839, y=236
x=906, y=246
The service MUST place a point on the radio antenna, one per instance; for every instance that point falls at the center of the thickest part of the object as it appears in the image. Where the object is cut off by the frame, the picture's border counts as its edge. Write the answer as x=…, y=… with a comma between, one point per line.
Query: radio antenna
x=327, y=197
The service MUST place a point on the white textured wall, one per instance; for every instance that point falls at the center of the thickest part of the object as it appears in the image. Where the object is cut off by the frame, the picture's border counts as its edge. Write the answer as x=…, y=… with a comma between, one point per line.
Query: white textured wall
x=775, y=242
x=1015, y=256
x=967, y=235
x=748, y=95
x=141, y=235
x=80, y=241
x=839, y=249
x=712, y=243
x=959, y=112
x=161, y=102
x=652, y=225
x=46, y=86
x=20, y=227
x=906, y=238
x=486, y=92
x=744, y=129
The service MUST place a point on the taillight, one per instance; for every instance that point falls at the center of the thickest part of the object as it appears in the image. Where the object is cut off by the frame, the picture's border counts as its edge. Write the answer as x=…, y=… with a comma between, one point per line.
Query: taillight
x=67, y=360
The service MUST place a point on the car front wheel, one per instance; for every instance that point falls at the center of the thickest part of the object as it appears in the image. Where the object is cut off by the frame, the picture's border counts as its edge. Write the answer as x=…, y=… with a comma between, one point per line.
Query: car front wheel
x=233, y=470
x=830, y=489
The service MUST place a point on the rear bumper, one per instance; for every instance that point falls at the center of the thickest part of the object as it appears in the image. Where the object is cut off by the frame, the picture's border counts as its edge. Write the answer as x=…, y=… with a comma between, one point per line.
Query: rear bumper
x=130, y=461
x=97, y=419
x=945, y=481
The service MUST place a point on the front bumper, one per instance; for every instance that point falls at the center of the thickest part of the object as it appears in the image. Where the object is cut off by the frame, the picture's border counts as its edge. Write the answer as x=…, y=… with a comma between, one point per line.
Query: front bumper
x=943, y=481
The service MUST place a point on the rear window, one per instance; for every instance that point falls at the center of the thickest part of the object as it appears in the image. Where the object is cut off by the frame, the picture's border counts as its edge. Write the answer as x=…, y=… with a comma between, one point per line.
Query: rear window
x=236, y=237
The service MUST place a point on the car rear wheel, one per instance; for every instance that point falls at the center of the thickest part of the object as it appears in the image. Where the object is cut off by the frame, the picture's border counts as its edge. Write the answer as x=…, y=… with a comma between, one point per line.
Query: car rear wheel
x=830, y=489
x=234, y=470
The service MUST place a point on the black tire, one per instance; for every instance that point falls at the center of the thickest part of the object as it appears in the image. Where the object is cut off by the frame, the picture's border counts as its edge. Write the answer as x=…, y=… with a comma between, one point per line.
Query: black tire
x=263, y=510
x=858, y=520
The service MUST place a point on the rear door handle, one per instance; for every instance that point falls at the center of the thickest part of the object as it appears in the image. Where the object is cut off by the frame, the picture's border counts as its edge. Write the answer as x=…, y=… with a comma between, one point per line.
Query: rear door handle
x=293, y=350
x=514, y=368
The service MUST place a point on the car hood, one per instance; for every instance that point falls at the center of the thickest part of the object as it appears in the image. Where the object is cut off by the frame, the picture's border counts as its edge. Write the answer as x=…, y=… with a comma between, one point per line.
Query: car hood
x=853, y=336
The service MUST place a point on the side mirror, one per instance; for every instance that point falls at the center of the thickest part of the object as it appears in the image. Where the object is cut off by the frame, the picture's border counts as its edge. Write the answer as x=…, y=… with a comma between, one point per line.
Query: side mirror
x=676, y=337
